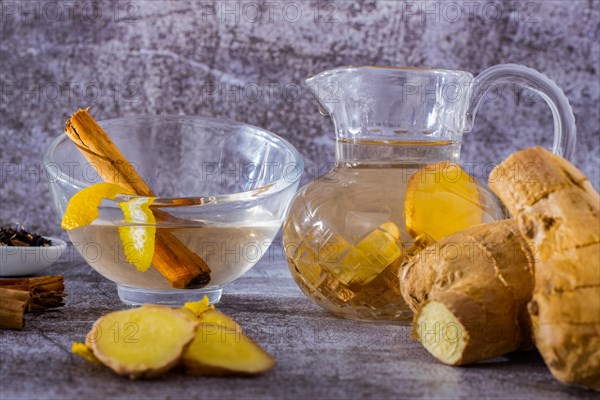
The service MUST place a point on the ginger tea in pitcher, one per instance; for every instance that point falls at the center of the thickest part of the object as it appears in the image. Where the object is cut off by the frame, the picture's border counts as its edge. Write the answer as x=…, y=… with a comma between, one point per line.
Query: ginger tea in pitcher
x=396, y=187
x=347, y=234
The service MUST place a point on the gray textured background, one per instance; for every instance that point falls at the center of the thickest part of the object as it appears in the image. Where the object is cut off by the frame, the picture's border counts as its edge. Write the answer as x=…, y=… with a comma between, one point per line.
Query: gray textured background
x=232, y=59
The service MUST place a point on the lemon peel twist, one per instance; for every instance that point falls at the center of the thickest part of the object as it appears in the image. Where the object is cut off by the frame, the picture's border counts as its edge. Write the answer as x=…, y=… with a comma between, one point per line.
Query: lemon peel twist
x=138, y=241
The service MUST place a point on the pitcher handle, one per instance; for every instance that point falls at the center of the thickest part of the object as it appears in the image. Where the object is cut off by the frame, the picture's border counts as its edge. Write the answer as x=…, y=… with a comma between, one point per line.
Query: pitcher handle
x=562, y=113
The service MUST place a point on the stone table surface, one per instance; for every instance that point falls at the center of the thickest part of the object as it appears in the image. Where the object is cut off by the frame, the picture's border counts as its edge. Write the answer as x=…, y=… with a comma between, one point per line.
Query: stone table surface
x=318, y=355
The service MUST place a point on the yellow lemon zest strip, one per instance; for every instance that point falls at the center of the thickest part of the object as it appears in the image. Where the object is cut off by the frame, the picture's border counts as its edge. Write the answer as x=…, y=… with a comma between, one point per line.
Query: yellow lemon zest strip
x=82, y=209
x=138, y=241
x=84, y=352
x=198, y=307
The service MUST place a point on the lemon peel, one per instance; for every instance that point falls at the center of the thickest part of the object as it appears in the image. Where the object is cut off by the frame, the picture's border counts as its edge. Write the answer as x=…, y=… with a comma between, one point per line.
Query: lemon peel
x=82, y=209
x=84, y=352
x=199, y=307
x=137, y=241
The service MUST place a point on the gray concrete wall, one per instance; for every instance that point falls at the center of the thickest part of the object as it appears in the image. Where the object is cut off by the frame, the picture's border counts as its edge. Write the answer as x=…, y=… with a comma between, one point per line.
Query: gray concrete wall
x=167, y=57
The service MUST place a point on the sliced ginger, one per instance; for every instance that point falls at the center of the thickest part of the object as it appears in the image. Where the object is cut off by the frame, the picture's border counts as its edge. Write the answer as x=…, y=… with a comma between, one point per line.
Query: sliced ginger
x=442, y=199
x=218, y=318
x=365, y=261
x=142, y=342
x=138, y=241
x=220, y=351
x=351, y=265
x=150, y=340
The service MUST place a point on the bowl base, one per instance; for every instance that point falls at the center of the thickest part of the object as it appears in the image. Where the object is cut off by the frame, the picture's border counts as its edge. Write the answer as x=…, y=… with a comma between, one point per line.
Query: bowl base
x=136, y=296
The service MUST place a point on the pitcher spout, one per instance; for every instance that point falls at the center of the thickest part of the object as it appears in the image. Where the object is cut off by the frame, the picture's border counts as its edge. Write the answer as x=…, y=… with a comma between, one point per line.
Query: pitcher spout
x=394, y=103
x=325, y=88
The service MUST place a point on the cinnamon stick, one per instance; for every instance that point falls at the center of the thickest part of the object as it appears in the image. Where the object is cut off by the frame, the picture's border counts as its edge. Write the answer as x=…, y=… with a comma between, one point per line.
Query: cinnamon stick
x=12, y=308
x=182, y=267
x=44, y=291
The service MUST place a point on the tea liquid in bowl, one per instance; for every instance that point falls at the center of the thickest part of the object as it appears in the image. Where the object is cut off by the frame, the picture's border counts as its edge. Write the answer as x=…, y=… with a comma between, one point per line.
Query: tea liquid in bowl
x=230, y=251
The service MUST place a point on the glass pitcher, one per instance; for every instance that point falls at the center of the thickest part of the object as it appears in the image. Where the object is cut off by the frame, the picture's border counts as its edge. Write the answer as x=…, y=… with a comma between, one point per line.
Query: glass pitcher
x=396, y=185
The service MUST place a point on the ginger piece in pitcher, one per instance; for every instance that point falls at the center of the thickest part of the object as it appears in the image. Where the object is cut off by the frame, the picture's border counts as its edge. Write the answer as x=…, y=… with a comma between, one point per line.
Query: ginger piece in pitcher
x=442, y=199
x=370, y=257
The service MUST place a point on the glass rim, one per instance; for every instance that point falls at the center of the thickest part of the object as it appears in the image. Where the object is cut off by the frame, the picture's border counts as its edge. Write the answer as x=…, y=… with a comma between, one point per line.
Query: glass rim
x=353, y=68
x=167, y=201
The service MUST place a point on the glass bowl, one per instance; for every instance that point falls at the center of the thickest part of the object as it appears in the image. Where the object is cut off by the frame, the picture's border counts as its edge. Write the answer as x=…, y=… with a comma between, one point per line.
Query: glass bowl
x=227, y=186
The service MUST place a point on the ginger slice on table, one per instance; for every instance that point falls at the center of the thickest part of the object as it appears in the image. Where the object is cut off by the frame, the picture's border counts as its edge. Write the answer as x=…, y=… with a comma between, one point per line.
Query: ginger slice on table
x=142, y=342
x=147, y=341
x=219, y=351
x=220, y=347
x=442, y=199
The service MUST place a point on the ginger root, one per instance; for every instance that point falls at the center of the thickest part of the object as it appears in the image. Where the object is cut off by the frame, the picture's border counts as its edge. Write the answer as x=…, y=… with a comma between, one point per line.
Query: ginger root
x=557, y=209
x=469, y=293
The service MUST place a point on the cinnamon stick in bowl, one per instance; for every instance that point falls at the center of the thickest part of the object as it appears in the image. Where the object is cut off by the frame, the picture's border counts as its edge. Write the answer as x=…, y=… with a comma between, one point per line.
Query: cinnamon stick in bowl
x=181, y=266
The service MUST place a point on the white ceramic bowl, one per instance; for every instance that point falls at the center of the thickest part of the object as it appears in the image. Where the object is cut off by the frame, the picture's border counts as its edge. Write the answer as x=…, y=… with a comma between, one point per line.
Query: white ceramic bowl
x=21, y=261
